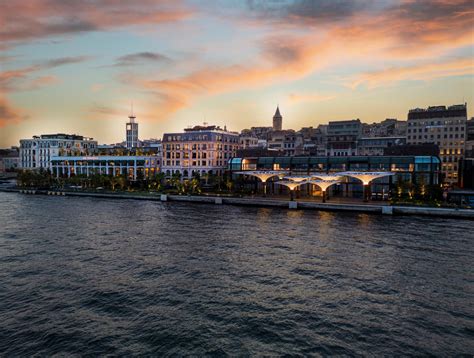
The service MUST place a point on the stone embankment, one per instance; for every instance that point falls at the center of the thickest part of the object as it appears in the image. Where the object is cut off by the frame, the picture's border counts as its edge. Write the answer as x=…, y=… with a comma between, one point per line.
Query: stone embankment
x=266, y=202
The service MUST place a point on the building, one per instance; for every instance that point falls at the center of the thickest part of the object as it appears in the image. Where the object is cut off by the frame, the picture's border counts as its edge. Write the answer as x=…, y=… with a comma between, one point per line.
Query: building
x=286, y=141
x=466, y=171
x=314, y=140
x=408, y=169
x=429, y=149
x=9, y=159
x=445, y=127
x=377, y=145
x=470, y=135
x=277, y=120
x=198, y=150
x=134, y=167
x=342, y=137
x=248, y=141
x=390, y=127
x=131, y=133
x=38, y=151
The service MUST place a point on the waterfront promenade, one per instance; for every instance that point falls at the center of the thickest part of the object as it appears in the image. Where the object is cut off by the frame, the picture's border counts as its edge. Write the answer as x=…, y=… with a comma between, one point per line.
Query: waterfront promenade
x=334, y=204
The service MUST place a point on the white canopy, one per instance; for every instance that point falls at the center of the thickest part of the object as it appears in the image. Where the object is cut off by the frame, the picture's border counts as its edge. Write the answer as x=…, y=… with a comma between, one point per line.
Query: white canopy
x=263, y=175
x=367, y=177
x=292, y=185
x=324, y=184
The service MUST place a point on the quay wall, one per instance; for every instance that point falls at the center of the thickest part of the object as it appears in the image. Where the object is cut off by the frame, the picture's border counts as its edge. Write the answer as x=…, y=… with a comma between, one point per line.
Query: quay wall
x=263, y=202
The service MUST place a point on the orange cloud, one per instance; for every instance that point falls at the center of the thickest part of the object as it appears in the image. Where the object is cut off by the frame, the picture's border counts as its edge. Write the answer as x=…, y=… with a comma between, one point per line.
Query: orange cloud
x=423, y=72
x=410, y=31
x=33, y=19
x=309, y=97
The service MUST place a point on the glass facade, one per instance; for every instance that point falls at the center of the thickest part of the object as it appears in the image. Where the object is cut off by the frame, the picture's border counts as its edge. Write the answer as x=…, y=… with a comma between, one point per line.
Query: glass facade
x=411, y=168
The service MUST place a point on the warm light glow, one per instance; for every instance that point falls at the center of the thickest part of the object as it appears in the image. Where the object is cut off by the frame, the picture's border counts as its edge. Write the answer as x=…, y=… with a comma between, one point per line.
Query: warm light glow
x=262, y=175
x=367, y=177
x=297, y=179
x=327, y=176
x=324, y=184
x=292, y=185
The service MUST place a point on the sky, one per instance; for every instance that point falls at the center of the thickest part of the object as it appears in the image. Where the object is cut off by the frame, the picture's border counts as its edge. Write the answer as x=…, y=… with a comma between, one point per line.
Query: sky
x=75, y=66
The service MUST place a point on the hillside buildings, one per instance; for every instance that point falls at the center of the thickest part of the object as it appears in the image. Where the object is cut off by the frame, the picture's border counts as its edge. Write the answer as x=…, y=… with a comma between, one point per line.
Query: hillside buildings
x=198, y=150
x=38, y=151
x=445, y=127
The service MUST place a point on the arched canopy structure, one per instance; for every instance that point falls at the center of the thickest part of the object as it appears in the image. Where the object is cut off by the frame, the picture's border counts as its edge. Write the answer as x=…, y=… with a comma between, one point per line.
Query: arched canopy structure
x=263, y=175
x=367, y=177
x=298, y=178
x=328, y=176
x=324, y=185
x=292, y=185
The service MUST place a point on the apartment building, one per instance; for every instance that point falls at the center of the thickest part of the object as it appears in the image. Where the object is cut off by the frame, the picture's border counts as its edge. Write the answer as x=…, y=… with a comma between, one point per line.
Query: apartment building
x=445, y=127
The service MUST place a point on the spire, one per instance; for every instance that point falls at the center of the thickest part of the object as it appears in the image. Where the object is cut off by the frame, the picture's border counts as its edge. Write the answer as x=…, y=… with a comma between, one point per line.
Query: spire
x=131, y=116
x=277, y=113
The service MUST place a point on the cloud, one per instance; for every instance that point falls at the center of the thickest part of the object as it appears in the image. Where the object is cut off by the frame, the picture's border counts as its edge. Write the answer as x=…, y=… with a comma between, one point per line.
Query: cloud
x=309, y=97
x=308, y=12
x=8, y=113
x=141, y=58
x=105, y=110
x=20, y=80
x=420, y=72
x=63, y=61
x=373, y=32
x=24, y=79
x=22, y=21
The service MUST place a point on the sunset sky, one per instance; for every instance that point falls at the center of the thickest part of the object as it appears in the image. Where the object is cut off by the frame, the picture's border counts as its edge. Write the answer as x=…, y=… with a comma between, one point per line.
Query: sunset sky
x=74, y=66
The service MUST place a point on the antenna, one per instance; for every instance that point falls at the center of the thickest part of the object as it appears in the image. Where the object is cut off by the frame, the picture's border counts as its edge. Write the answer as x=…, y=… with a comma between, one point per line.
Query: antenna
x=131, y=116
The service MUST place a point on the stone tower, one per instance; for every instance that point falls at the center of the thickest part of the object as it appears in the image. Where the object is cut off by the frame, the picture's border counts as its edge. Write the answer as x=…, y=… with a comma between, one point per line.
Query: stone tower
x=277, y=120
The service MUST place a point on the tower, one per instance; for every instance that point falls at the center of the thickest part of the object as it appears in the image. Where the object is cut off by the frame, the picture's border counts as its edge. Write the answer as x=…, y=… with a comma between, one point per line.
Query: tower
x=132, y=132
x=277, y=120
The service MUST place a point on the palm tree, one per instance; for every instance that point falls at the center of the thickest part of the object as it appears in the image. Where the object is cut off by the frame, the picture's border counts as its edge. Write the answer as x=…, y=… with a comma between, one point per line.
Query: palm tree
x=113, y=181
x=122, y=182
x=176, y=179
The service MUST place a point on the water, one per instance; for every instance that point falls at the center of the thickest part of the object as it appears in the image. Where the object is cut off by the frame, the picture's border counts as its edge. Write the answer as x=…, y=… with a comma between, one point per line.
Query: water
x=83, y=276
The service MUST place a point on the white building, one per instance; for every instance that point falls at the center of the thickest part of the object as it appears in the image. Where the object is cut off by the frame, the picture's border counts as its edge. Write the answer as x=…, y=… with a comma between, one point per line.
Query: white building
x=38, y=151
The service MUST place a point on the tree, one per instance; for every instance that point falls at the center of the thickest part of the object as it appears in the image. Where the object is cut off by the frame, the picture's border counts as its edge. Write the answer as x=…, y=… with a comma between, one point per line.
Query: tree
x=122, y=182
x=113, y=181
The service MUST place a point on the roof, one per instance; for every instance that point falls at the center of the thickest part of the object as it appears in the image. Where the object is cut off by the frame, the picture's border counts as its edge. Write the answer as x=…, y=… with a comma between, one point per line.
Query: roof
x=277, y=112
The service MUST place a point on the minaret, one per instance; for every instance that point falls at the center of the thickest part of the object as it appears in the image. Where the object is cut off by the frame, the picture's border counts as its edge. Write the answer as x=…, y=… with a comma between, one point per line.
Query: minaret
x=277, y=120
x=132, y=131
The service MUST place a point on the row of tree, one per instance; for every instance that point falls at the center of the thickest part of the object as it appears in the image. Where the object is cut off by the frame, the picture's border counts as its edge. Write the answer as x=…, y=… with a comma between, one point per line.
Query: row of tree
x=43, y=179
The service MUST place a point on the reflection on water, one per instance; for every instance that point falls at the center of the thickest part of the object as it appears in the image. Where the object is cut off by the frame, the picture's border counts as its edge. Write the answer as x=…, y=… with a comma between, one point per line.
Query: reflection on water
x=88, y=276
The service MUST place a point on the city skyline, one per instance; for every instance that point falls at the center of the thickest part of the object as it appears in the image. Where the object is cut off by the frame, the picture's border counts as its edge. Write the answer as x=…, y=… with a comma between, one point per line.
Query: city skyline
x=75, y=67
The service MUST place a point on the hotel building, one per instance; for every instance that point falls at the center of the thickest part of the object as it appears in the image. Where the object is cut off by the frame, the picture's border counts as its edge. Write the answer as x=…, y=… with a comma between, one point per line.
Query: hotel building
x=38, y=151
x=445, y=127
x=201, y=149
